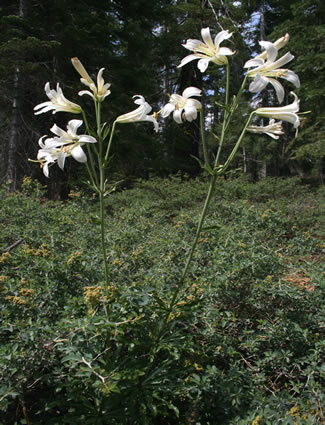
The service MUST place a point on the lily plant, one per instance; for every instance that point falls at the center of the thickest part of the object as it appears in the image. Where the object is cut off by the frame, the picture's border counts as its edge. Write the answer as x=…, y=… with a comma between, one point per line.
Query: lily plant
x=264, y=69
x=98, y=142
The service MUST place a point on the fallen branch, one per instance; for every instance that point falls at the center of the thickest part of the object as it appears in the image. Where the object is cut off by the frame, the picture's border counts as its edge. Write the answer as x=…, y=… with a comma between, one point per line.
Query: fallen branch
x=13, y=245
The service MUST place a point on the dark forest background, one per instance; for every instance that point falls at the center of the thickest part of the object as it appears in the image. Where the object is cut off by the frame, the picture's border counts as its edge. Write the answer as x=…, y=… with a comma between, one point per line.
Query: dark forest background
x=139, y=44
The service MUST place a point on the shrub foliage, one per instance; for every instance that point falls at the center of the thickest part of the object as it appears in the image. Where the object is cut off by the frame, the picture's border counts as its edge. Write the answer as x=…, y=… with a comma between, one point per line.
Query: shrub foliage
x=243, y=345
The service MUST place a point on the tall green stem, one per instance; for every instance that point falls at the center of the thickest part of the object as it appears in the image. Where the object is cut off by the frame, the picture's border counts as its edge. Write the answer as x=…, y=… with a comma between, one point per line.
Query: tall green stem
x=226, y=115
x=189, y=258
x=226, y=120
x=110, y=141
x=102, y=224
x=204, y=146
x=102, y=189
x=234, y=151
x=199, y=227
x=236, y=101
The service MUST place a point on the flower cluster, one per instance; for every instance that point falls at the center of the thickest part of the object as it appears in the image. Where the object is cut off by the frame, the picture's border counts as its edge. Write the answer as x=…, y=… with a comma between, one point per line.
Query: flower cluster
x=66, y=143
x=69, y=143
x=266, y=68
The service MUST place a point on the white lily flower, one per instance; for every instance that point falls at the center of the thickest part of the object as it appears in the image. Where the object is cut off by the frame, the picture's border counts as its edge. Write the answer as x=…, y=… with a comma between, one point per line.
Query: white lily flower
x=266, y=71
x=278, y=44
x=47, y=156
x=98, y=92
x=274, y=129
x=67, y=143
x=139, y=114
x=183, y=107
x=283, y=113
x=208, y=51
x=57, y=102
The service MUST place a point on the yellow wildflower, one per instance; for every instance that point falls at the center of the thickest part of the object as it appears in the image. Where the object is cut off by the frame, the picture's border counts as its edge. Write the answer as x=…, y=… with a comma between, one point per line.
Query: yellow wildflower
x=93, y=294
x=42, y=251
x=23, y=281
x=74, y=257
x=4, y=258
x=257, y=420
x=26, y=292
x=198, y=367
x=15, y=300
x=3, y=278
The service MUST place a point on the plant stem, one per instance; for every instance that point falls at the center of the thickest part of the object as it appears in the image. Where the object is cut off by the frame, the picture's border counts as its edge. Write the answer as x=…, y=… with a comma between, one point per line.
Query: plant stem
x=204, y=146
x=234, y=151
x=110, y=141
x=225, y=118
x=101, y=166
x=236, y=101
x=91, y=170
x=102, y=226
x=189, y=259
x=199, y=227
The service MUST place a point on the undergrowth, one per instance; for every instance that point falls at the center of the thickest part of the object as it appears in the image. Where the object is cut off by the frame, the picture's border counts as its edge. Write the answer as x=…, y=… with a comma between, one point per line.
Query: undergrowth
x=244, y=344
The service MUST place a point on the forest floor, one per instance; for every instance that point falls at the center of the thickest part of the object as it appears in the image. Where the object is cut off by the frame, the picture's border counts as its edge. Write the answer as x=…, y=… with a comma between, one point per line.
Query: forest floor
x=244, y=344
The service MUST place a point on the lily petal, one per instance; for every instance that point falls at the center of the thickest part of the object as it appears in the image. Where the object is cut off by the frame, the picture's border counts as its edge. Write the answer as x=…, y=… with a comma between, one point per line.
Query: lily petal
x=61, y=159
x=271, y=50
x=58, y=131
x=167, y=110
x=288, y=57
x=258, y=84
x=205, y=33
x=73, y=126
x=177, y=115
x=87, y=139
x=203, y=64
x=87, y=92
x=187, y=59
x=219, y=38
x=190, y=113
x=82, y=72
x=78, y=154
x=192, y=91
x=279, y=90
x=254, y=62
x=292, y=77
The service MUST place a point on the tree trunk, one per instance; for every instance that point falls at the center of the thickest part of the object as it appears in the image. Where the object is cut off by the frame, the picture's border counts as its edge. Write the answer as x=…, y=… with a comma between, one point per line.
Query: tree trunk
x=244, y=161
x=13, y=137
x=16, y=122
x=262, y=20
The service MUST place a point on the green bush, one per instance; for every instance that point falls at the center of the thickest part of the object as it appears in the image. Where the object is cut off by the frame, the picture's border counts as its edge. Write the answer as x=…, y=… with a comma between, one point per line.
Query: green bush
x=243, y=345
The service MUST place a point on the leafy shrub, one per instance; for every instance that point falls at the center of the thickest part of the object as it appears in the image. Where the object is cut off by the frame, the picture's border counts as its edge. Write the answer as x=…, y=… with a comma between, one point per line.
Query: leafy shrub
x=244, y=343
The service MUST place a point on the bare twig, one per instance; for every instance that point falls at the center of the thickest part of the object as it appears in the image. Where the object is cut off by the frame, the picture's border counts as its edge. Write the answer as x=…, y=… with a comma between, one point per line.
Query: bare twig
x=31, y=385
x=215, y=13
x=102, y=378
x=21, y=402
x=321, y=412
x=13, y=245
